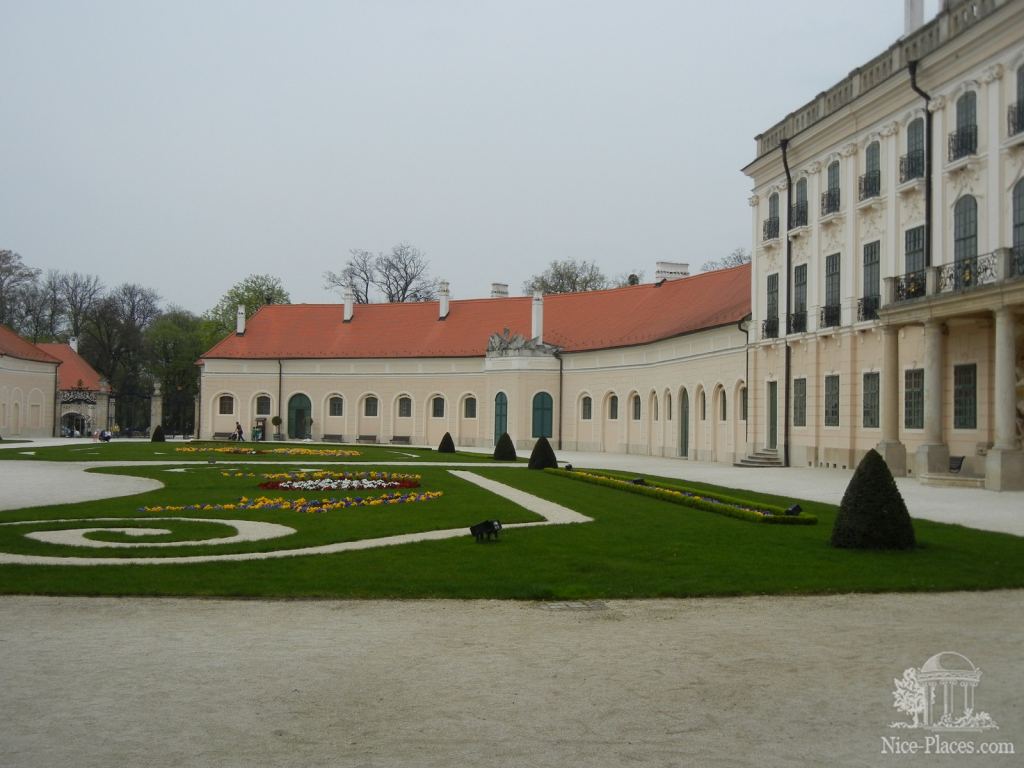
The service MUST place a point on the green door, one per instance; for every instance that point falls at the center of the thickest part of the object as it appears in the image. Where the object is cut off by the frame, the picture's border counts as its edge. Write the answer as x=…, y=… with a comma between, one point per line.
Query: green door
x=299, y=413
x=684, y=425
x=500, y=416
x=773, y=414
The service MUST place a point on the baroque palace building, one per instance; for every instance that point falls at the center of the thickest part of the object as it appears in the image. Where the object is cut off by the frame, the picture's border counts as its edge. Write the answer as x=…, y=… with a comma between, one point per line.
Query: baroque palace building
x=888, y=264
x=28, y=385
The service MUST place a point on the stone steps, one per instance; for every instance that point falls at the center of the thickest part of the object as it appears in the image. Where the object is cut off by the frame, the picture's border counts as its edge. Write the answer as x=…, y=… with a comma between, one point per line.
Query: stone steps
x=762, y=458
x=947, y=480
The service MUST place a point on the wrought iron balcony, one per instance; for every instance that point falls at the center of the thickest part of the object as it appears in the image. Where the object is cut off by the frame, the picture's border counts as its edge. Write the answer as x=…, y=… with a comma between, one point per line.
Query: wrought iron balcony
x=829, y=202
x=870, y=185
x=770, y=228
x=799, y=215
x=1017, y=261
x=831, y=315
x=964, y=274
x=867, y=307
x=912, y=285
x=1015, y=119
x=912, y=166
x=770, y=328
x=963, y=142
x=796, y=322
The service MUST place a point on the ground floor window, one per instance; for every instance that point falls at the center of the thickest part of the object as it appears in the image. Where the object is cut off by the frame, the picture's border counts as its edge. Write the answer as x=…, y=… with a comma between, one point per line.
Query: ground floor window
x=226, y=404
x=370, y=406
x=469, y=409
x=870, y=400
x=613, y=407
x=743, y=404
x=404, y=407
x=437, y=407
x=336, y=406
x=586, y=409
x=263, y=405
x=832, y=401
x=913, y=399
x=965, y=396
x=799, y=402
x=636, y=407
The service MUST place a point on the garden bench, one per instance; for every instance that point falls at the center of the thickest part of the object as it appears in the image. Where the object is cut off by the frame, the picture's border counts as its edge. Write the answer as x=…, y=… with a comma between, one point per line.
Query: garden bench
x=222, y=435
x=366, y=439
x=401, y=440
x=334, y=438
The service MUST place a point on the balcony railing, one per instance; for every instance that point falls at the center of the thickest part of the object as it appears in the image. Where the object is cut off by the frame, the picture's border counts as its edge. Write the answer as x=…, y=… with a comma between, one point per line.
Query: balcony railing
x=912, y=166
x=799, y=215
x=796, y=322
x=829, y=202
x=770, y=228
x=963, y=142
x=912, y=285
x=1015, y=119
x=867, y=307
x=870, y=185
x=770, y=328
x=964, y=274
x=1017, y=261
x=831, y=315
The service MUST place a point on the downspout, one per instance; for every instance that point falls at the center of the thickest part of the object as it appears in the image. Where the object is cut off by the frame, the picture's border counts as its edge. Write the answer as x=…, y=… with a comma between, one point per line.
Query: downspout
x=784, y=145
x=560, y=376
x=56, y=402
x=280, y=394
x=912, y=68
x=746, y=375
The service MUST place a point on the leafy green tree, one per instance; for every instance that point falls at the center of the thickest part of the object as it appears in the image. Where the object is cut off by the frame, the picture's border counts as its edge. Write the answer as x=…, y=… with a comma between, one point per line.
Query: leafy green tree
x=567, y=276
x=174, y=342
x=254, y=291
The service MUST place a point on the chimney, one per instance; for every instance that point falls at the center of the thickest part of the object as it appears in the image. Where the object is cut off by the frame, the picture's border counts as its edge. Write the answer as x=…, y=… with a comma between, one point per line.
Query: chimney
x=350, y=298
x=499, y=290
x=537, y=332
x=442, y=295
x=73, y=343
x=671, y=270
x=913, y=16
x=240, y=320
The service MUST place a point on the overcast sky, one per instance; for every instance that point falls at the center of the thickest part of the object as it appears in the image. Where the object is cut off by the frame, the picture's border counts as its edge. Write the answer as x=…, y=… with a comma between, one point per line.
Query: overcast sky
x=183, y=145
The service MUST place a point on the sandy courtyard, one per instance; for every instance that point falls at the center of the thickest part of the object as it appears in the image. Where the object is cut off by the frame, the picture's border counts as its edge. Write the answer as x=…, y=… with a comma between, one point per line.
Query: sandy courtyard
x=717, y=682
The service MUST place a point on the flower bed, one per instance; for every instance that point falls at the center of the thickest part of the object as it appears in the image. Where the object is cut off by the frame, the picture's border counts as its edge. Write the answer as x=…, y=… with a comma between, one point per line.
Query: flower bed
x=328, y=480
x=309, y=506
x=229, y=449
x=720, y=505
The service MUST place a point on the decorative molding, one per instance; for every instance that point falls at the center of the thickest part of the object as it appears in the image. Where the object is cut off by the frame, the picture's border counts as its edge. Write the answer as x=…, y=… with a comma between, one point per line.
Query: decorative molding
x=937, y=103
x=849, y=150
x=966, y=181
x=753, y=201
x=995, y=72
x=832, y=238
x=814, y=167
x=889, y=129
x=507, y=344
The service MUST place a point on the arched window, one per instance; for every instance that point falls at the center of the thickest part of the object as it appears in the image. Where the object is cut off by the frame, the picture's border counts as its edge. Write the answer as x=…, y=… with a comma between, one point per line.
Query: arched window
x=1018, y=227
x=469, y=408
x=654, y=407
x=404, y=407
x=370, y=406
x=724, y=412
x=668, y=406
x=636, y=407
x=1017, y=109
x=830, y=198
x=586, y=408
x=964, y=141
x=500, y=415
x=770, y=226
x=613, y=407
x=871, y=181
x=226, y=404
x=773, y=205
x=437, y=407
x=799, y=218
x=263, y=405
x=703, y=405
x=542, y=410
x=833, y=175
x=965, y=228
x=336, y=406
x=743, y=404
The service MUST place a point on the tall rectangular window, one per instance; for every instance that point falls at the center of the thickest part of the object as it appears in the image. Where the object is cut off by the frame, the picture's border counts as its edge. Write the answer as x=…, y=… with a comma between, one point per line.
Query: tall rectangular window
x=913, y=399
x=832, y=279
x=743, y=404
x=871, y=400
x=832, y=401
x=799, y=402
x=913, y=249
x=872, y=276
x=469, y=408
x=800, y=288
x=437, y=408
x=773, y=297
x=965, y=396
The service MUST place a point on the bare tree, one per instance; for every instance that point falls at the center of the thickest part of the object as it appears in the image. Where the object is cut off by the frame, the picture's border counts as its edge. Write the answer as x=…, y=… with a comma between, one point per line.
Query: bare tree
x=360, y=273
x=627, y=278
x=14, y=276
x=79, y=294
x=401, y=275
x=567, y=276
x=736, y=258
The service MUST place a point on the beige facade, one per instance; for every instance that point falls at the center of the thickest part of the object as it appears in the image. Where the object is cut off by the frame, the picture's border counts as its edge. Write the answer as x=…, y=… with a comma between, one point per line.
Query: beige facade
x=888, y=283
x=26, y=397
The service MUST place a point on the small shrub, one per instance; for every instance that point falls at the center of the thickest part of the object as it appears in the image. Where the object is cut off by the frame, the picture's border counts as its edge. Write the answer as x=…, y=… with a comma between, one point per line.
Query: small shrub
x=872, y=514
x=543, y=455
x=158, y=434
x=447, y=444
x=504, y=450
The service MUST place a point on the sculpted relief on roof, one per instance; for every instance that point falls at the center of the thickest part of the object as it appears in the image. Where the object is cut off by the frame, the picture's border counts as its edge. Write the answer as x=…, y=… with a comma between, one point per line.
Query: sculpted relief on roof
x=507, y=344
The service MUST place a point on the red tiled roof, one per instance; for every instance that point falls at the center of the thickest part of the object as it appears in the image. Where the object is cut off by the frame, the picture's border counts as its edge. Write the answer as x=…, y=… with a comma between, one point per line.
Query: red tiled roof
x=74, y=369
x=573, y=321
x=12, y=345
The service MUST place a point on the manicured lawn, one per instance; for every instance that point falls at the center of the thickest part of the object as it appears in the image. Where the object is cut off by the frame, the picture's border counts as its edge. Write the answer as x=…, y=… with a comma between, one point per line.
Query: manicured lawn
x=636, y=547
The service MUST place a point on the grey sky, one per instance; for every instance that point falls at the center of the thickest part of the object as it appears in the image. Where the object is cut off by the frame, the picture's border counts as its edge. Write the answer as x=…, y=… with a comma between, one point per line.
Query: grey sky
x=185, y=145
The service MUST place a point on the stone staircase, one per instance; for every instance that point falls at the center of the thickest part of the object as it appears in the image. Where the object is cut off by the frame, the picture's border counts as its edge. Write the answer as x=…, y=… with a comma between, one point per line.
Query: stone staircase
x=766, y=457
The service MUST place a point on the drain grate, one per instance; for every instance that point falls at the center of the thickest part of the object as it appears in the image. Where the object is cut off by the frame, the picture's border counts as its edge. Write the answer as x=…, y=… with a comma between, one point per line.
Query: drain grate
x=575, y=605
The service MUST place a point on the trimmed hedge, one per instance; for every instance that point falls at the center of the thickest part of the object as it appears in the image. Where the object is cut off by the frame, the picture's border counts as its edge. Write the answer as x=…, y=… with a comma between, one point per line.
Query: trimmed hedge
x=447, y=444
x=158, y=435
x=505, y=450
x=872, y=514
x=543, y=455
x=719, y=505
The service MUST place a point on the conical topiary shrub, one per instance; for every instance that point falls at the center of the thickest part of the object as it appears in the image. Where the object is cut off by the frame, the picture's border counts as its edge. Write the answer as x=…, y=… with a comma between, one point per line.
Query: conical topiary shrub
x=158, y=434
x=447, y=444
x=543, y=455
x=872, y=514
x=504, y=450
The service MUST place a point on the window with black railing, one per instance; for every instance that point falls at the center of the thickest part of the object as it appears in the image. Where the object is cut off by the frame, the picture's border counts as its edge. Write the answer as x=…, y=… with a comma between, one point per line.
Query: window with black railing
x=799, y=215
x=770, y=328
x=912, y=166
x=829, y=202
x=963, y=142
x=1017, y=261
x=796, y=322
x=770, y=325
x=870, y=185
x=1015, y=119
x=831, y=312
x=770, y=228
x=867, y=307
x=831, y=315
x=911, y=285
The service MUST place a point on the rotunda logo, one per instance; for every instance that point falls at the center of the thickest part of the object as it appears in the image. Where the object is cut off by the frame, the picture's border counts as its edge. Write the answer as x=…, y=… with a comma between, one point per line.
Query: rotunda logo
x=940, y=696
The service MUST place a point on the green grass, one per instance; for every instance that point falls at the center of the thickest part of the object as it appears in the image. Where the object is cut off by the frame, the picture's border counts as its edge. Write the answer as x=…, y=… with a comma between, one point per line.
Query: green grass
x=636, y=547
x=169, y=451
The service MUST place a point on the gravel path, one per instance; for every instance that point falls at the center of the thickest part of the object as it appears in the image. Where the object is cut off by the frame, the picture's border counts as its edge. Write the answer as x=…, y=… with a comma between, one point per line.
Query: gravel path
x=715, y=682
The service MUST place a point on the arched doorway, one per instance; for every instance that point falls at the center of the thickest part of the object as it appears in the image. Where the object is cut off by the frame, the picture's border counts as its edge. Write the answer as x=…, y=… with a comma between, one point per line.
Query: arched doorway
x=684, y=424
x=500, y=416
x=542, y=415
x=74, y=425
x=299, y=417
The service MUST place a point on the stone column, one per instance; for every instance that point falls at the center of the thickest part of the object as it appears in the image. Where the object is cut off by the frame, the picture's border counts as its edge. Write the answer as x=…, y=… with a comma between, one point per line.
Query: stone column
x=933, y=456
x=156, y=408
x=891, y=449
x=1004, y=465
